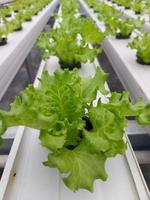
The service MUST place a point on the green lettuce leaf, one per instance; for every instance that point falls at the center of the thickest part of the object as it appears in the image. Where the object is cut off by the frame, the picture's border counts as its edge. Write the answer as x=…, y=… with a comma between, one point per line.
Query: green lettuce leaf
x=82, y=165
x=91, y=86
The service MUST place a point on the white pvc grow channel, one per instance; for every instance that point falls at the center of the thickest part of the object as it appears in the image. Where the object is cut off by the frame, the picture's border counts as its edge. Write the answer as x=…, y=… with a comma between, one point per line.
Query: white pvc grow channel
x=6, y=1
x=19, y=45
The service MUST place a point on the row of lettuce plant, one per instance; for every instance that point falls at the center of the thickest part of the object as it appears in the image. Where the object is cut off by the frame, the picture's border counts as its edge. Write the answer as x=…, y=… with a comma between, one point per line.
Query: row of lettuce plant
x=122, y=28
x=138, y=6
x=79, y=135
x=141, y=43
x=114, y=21
x=13, y=15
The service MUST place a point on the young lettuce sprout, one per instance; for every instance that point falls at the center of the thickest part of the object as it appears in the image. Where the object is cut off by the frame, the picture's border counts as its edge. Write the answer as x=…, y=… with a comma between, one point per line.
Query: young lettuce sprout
x=142, y=46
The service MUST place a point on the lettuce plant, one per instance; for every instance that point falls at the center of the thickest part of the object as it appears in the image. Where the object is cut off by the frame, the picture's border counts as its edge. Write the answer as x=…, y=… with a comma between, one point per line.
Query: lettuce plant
x=16, y=6
x=3, y=35
x=107, y=12
x=16, y=23
x=142, y=46
x=69, y=8
x=36, y=9
x=124, y=27
x=6, y=11
x=70, y=42
x=93, y=3
x=79, y=136
x=28, y=14
x=137, y=6
x=110, y=16
x=126, y=3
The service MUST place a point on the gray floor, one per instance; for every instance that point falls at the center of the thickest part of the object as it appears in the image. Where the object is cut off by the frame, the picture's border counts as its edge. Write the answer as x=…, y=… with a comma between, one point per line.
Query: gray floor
x=146, y=172
x=113, y=81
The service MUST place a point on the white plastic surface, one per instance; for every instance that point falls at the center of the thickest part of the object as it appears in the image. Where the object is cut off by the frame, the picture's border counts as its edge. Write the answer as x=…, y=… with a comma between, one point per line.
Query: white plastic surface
x=19, y=45
x=6, y=1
